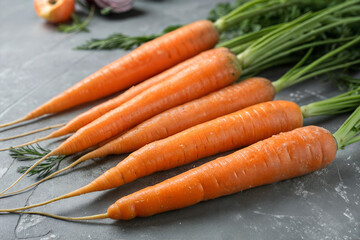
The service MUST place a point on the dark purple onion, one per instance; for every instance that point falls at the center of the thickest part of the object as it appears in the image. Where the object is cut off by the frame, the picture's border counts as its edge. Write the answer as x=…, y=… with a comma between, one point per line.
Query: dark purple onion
x=117, y=6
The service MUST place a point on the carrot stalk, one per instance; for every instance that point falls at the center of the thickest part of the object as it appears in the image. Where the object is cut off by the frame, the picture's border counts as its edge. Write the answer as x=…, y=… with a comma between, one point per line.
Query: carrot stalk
x=339, y=104
x=292, y=77
x=294, y=33
x=349, y=132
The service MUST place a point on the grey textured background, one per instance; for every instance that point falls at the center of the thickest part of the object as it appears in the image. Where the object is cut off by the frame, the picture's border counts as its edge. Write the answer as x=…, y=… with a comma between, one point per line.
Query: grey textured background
x=36, y=63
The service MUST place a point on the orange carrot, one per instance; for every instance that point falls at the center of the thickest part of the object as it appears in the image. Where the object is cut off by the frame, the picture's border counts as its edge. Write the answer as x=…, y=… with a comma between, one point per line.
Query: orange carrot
x=99, y=110
x=283, y=156
x=146, y=61
x=234, y=130
x=280, y=157
x=215, y=69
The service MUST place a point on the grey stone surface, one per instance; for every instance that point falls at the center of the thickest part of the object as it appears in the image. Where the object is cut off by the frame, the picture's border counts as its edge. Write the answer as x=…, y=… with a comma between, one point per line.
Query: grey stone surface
x=37, y=63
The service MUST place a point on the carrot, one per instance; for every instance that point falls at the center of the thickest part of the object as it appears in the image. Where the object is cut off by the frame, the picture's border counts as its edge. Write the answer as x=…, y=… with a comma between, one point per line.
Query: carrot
x=99, y=110
x=215, y=69
x=281, y=157
x=144, y=62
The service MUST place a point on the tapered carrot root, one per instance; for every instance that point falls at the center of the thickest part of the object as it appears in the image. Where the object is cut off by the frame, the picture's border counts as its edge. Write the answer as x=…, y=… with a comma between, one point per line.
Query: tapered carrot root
x=28, y=143
x=94, y=217
x=146, y=61
x=219, y=103
x=280, y=157
x=23, y=119
x=219, y=135
x=99, y=110
x=214, y=70
x=27, y=171
x=32, y=132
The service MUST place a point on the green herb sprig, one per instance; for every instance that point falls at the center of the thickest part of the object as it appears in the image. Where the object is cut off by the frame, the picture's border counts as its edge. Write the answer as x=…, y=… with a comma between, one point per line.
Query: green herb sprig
x=28, y=153
x=122, y=41
x=77, y=25
x=344, y=81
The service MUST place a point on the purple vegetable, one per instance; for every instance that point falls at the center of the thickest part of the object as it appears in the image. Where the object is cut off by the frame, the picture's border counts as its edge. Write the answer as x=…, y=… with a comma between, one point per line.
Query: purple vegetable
x=117, y=6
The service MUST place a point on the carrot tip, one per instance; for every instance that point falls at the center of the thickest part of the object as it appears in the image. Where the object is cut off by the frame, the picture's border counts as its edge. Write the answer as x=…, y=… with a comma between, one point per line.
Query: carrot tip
x=28, y=143
x=98, y=216
x=32, y=132
x=4, y=149
x=13, y=122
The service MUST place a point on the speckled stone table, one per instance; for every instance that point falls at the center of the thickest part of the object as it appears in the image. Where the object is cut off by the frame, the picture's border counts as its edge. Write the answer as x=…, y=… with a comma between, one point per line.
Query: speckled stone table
x=36, y=63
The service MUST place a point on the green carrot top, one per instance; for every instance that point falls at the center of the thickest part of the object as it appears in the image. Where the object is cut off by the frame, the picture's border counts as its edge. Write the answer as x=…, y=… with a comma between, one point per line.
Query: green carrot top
x=349, y=132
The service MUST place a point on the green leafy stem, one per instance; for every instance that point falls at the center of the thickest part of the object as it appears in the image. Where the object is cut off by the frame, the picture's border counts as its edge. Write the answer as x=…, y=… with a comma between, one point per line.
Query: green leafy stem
x=28, y=153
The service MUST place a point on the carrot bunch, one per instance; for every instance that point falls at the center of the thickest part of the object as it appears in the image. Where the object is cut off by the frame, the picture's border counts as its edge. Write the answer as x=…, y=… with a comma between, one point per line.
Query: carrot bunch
x=217, y=69
x=202, y=83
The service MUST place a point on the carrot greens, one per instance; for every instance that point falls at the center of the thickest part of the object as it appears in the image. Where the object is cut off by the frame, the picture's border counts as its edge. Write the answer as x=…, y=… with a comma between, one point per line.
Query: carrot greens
x=231, y=20
x=119, y=40
x=33, y=153
x=349, y=132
